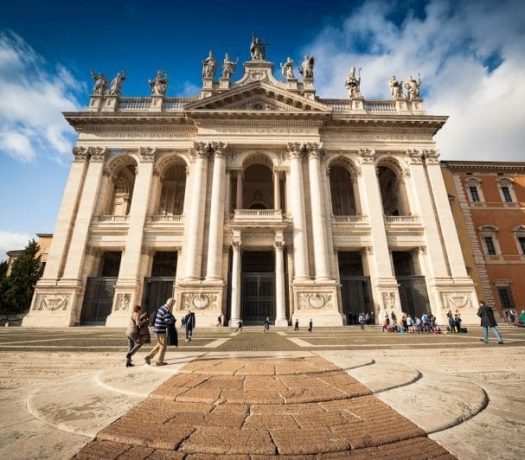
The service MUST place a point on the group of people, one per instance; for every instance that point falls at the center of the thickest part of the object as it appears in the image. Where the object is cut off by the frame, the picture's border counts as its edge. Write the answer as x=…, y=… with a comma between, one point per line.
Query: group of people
x=411, y=324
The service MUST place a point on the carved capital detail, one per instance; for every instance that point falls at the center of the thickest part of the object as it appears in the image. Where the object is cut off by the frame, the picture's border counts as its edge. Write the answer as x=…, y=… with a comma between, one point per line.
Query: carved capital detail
x=366, y=155
x=414, y=156
x=80, y=153
x=97, y=153
x=219, y=149
x=431, y=156
x=295, y=149
x=313, y=150
x=147, y=154
x=200, y=150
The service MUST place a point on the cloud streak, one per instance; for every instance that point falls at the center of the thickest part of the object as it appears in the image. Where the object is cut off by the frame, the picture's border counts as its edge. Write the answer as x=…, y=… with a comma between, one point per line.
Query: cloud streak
x=31, y=101
x=10, y=241
x=470, y=57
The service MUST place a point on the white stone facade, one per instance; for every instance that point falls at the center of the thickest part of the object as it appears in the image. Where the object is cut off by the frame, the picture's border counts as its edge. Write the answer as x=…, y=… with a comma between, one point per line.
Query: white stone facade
x=253, y=167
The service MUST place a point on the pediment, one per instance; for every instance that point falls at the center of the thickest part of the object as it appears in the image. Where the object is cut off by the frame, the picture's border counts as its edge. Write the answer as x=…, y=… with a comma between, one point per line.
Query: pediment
x=258, y=97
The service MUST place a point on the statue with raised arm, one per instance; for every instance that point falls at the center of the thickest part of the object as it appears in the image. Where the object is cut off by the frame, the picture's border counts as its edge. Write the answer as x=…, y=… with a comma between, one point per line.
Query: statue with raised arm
x=353, y=83
x=159, y=85
x=287, y=69
x=116, y=84
x=257, y=50
x=101, y=84
x=413, y=87
x=209, y=66
x=307, y=68
x=228, y=67
x=396, y=88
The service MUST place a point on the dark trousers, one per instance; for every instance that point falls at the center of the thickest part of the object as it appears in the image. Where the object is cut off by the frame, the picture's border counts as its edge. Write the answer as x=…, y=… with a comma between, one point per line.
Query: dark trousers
x=133, y=347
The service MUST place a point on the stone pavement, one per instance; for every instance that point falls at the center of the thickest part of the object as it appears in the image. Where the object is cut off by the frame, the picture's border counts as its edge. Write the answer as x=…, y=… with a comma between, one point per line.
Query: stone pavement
x=451, y=390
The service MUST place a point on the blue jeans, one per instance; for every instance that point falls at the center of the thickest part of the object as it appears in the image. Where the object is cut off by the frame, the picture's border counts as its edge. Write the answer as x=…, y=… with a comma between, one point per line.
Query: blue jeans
x=485, y=330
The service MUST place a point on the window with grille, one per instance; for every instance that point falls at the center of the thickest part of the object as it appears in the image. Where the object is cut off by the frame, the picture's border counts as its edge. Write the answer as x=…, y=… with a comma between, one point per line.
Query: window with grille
x=506, y=194
x=489, y=244
x=521, y=241
x=505, y=296
x=474, y=194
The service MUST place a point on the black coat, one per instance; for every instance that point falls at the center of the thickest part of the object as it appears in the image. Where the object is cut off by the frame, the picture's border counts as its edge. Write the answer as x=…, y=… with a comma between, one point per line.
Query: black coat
x=487, y=316
x=172, y=336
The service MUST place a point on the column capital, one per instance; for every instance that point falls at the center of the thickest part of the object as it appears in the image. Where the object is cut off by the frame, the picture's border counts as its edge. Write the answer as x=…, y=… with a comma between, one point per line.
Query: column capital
x=431, y=156
x=147, y=154
x=200, y=150
x=219, y=149
x=97, y=154
x=414, y=156
x=295, y=149
x=80, y=153
x=367, y=156
x=313, y=150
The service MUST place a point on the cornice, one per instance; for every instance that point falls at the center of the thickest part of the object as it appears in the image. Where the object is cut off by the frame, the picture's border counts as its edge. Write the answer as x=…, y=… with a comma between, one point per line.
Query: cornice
x=485, y=166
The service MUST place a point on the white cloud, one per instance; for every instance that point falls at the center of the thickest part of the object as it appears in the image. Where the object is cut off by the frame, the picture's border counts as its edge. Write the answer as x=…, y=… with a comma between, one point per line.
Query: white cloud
x=31, y=101
x=10, y=241
x=454, y=47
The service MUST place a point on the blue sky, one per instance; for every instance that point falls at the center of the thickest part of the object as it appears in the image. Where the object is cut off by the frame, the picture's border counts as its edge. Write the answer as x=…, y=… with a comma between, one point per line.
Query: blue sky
x=470, y=55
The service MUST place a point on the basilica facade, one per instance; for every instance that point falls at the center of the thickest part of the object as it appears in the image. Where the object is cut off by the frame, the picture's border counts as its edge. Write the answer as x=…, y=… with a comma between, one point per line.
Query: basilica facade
x=256, y=198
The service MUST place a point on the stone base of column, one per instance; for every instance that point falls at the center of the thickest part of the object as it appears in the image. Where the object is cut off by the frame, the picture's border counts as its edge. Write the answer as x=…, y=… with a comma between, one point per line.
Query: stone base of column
x=454, y=295
x=281, y=323
x=385, y=292
x=318, y=302
x=54, y=305
x=203, y=299
x=126, y=296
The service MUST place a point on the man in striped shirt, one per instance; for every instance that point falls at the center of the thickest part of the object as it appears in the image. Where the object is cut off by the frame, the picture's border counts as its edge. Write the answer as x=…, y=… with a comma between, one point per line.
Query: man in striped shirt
x=162, y=319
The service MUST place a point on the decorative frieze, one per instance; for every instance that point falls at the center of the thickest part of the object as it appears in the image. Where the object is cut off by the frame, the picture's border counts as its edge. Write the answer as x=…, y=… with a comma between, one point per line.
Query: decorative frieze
x=199, y=301
x=389, y=300
x=51, y=302
x=366, y=155
x=315, y=300
x=456, y=300
x=123, y=302
x=147, y=154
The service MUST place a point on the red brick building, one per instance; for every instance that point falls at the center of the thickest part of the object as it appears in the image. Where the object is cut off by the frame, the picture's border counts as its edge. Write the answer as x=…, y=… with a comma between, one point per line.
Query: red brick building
x=488, y=203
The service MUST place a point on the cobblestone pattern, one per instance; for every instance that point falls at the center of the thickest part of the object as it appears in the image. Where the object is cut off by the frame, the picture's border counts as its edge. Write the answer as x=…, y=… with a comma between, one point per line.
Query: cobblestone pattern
x=241, y=408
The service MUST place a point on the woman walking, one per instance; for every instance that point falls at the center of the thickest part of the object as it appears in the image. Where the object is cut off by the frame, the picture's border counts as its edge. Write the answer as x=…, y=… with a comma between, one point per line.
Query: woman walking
x=137, y=332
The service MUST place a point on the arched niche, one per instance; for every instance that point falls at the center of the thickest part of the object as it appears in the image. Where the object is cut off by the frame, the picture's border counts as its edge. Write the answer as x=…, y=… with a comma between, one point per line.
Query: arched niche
x=172, y=188
x=393, y=191
x=122, y=174
x=343, y=189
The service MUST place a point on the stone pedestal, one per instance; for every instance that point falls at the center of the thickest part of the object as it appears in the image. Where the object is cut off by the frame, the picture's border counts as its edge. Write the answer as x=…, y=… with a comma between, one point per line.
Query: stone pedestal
x=316, y=301
x=205, y=300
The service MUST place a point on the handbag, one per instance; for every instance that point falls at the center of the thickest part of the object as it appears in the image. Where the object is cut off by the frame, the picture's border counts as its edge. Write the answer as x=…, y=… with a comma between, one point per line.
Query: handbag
x=172, y=337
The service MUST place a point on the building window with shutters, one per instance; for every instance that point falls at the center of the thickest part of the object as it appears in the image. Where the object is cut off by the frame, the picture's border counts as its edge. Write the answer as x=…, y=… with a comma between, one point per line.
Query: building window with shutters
x=506, y=190
x=519, y=236
x=489, y=241
x=474, y=191
x=505, y=296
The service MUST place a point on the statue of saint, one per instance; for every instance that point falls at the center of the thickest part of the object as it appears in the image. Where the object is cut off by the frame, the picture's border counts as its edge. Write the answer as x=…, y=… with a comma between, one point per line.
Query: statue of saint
x=307, y=68
x=116, y=84
x=159, y=84
x=228, y=67
x=101, y=84
x=209, y=66
x=287, y=70
x=413, y=86
x=396, y=88
x=353, y=83
x=257, y=50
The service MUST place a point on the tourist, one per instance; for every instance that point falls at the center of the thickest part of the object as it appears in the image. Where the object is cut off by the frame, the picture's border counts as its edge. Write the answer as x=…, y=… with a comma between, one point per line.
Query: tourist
x=136, y=339
x=362, y=320
x=512, y=316
x=451, y=323
x=310, y=325
x=419, y=325
x=239, y=326
x=394, y=319
x=457, y=321
x=410, y=324
x=266, y=324
x=488, y=321
x=189, y=325
x=386, y=324
x=521, y=319
x=219, y=321
x=162, y=319
x=296, y=325
x=425, y=319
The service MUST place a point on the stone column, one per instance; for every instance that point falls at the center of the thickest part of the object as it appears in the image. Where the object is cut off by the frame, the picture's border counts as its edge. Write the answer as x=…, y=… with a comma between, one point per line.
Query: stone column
x=276, y=189
x=300, y=242
x=235, y=313
x=86, y=207
x=194, y=226
x=66, y=216
x=129, y=279
x=215, y=233
x=238, y=197
x=280, y=304
x=321, y=256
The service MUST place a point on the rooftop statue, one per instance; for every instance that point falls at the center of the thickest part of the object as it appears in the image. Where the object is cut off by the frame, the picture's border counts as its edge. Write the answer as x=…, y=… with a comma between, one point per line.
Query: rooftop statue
x=257, y=49
x=287, y=70
x=307, y=68
x=396, y=88
x=228, y=67
x=353, y=83
x=101, y=84
x=209, y=66
x=116, y=84
x=413, y=86
x=159, y=84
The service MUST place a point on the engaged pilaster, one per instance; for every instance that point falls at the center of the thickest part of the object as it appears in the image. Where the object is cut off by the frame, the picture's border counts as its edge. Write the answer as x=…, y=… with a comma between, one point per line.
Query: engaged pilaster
x=280, y=304
x=235, y=312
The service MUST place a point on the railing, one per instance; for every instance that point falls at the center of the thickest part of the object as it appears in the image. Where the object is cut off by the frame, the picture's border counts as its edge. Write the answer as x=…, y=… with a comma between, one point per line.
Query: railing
x=162, y=218
x=338, y=105
x=134, y=103
x=258, y=214
x=401, y=219
x=177, y=103
x=345, y=105
x=349, y=219
x=108, y=218
x=380, y=106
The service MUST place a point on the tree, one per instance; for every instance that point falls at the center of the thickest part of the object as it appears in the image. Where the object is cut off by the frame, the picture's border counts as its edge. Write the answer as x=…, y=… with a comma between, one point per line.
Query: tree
x=25, y=272
x=4, y=284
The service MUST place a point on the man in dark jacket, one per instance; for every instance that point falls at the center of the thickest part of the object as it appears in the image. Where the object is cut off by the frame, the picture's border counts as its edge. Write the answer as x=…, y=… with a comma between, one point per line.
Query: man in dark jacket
x=189, y=324
x=487, y=320
x=162, y=319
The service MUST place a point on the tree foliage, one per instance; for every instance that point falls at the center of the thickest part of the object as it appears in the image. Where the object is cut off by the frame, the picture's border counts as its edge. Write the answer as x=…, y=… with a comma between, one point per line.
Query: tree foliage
x=16, y=290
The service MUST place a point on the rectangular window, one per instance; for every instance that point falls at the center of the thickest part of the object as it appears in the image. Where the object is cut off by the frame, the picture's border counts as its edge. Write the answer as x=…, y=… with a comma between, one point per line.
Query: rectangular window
x=506, y=194
x=474, y=194
x=505, y=296
x=521, y=241
x=489, y=243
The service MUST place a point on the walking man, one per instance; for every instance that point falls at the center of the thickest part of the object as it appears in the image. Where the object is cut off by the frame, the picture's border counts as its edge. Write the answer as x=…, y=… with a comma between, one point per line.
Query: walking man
x=488, y=321
x=162, y=319
x=296, y=325
x=267, y=324
x=189, y=324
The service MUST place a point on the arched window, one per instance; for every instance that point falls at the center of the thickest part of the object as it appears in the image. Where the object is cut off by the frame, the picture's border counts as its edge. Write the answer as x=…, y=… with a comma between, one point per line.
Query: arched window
x=474, y=190
x=506, y=190
x=489, y=241
x=258, y=187
x=342, y=192
x=123, y=184
x=393, y=194
x=173, y=188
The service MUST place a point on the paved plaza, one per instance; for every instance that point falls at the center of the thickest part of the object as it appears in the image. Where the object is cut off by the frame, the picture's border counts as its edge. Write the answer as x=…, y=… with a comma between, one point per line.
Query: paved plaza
x=330, y=393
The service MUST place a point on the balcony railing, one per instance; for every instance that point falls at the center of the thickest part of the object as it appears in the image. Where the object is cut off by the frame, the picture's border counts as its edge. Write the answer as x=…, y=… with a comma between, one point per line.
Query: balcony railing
x=108, y=218
x=402, y=219
x=164, y=218
x=353, y=219
x=134, y=103
x=266, y=214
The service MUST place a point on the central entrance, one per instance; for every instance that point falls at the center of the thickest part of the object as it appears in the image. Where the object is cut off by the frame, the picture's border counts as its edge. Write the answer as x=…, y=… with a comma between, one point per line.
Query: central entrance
x=258, y=286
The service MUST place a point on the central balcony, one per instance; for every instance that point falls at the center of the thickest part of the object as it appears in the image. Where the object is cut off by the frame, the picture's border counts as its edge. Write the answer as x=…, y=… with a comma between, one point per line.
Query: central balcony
x=258, y=218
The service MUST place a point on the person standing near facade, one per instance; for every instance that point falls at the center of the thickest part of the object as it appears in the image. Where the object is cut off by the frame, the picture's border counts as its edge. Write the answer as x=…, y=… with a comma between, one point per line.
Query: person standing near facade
x=189, y=324
x=135, y=332
x=296, y=325
x=310, y=325
x=362, y=321
x=162, y=319
x=266, y=324
x=488, y=321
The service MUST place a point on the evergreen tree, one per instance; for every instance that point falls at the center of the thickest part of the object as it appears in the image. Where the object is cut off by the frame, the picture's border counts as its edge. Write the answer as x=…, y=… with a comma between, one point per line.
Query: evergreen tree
x=26, y=271
x=4, y=284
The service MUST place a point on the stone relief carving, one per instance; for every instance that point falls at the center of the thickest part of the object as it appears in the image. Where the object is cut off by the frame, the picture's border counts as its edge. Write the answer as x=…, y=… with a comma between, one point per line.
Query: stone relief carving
x=314, y=300
x=80, y=153
x=366, y=155
x=116, y=84
x=414, y=156
x=353, y=83
x=101, y=84
x=123, y=301
x=200, y=149
x=147, y=154
x=430, y=156
x=52, y=302
x=97, y=153
x=456, y=300
x=199, y=301
x=389, y=300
